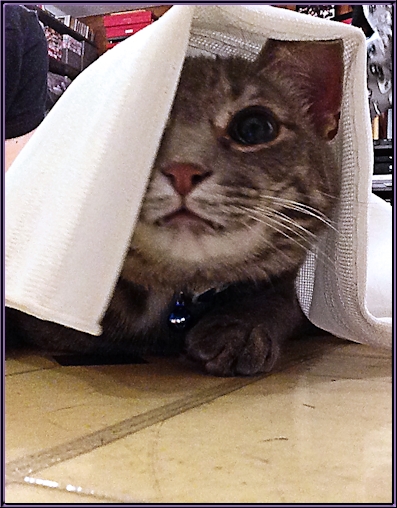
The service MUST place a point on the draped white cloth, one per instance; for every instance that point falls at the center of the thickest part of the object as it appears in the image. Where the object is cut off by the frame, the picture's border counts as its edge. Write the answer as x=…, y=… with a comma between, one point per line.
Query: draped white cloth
x=74, y=192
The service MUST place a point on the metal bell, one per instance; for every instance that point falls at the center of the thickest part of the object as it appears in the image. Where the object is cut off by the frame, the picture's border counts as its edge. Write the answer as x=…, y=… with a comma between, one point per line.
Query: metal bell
x=180, y=316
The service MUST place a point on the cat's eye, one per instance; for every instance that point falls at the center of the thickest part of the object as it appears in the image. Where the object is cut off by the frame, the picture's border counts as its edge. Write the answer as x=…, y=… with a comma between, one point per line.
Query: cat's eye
x=254, y=125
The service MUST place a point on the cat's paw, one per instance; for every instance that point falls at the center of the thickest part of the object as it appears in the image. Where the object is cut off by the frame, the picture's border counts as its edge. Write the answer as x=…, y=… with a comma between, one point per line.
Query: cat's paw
x=227, y=346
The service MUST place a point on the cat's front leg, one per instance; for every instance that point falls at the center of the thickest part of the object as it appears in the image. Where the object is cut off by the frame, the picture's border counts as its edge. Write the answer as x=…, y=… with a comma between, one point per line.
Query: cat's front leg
x=245, y=337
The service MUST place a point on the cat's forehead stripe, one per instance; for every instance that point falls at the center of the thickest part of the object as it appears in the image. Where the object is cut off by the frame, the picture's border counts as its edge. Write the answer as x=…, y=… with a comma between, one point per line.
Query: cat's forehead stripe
x=223, y=117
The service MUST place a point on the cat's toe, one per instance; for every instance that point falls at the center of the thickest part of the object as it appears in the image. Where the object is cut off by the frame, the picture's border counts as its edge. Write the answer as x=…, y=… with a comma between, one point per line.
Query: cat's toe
x=231, y=347
x=259, y=354
x=216, y=342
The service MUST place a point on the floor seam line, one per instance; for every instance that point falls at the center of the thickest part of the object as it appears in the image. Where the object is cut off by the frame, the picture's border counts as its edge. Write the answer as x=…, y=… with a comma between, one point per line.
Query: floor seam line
x=20, y=468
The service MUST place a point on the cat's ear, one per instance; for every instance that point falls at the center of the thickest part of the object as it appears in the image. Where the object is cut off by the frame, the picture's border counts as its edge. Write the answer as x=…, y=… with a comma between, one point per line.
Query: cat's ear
x=316, y=67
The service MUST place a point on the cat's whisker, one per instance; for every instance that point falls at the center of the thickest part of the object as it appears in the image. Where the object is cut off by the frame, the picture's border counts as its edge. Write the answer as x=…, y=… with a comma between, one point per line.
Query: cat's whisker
x=247, y=213
x=285, y=229
x=294, y=203
x=329, y=196
x=226, y=201
x=288, y=220
x=270, y=221
x=311, y=245
x=305, y=209
x=267, y=242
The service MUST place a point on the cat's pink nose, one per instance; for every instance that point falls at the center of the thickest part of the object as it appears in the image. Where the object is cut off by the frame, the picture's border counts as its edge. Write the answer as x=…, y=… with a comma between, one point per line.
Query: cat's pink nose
x=184, y=176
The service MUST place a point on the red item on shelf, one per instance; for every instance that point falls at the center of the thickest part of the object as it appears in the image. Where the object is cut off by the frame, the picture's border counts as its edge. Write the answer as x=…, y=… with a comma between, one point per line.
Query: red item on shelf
x=127, y=18
x=124, y=30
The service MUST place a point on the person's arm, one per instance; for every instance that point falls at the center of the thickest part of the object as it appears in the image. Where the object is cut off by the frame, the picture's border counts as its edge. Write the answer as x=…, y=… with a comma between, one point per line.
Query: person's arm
x=14, y=146
x=26, y=68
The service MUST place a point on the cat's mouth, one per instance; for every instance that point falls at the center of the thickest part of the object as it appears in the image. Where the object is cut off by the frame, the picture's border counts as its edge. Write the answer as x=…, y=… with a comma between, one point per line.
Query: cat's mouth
x=183, y=218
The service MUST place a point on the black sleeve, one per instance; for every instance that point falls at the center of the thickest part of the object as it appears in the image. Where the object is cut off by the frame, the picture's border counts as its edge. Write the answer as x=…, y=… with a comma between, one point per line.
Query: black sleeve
x=361, y=21
x=26, y=68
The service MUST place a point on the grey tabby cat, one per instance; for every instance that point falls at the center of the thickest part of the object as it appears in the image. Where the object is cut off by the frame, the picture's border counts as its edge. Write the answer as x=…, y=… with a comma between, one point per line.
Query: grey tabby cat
x=243, y=184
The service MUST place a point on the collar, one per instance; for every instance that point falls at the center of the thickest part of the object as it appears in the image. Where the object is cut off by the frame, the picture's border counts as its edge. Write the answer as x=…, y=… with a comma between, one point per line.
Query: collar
x=186, y=307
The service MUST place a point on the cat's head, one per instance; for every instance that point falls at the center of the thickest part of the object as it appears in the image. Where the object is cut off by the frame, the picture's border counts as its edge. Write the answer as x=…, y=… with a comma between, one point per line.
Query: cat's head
x=244, y=177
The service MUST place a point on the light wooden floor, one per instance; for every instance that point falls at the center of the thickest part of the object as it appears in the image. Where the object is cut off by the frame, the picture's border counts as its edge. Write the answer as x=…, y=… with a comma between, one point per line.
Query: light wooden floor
x=316, y=431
